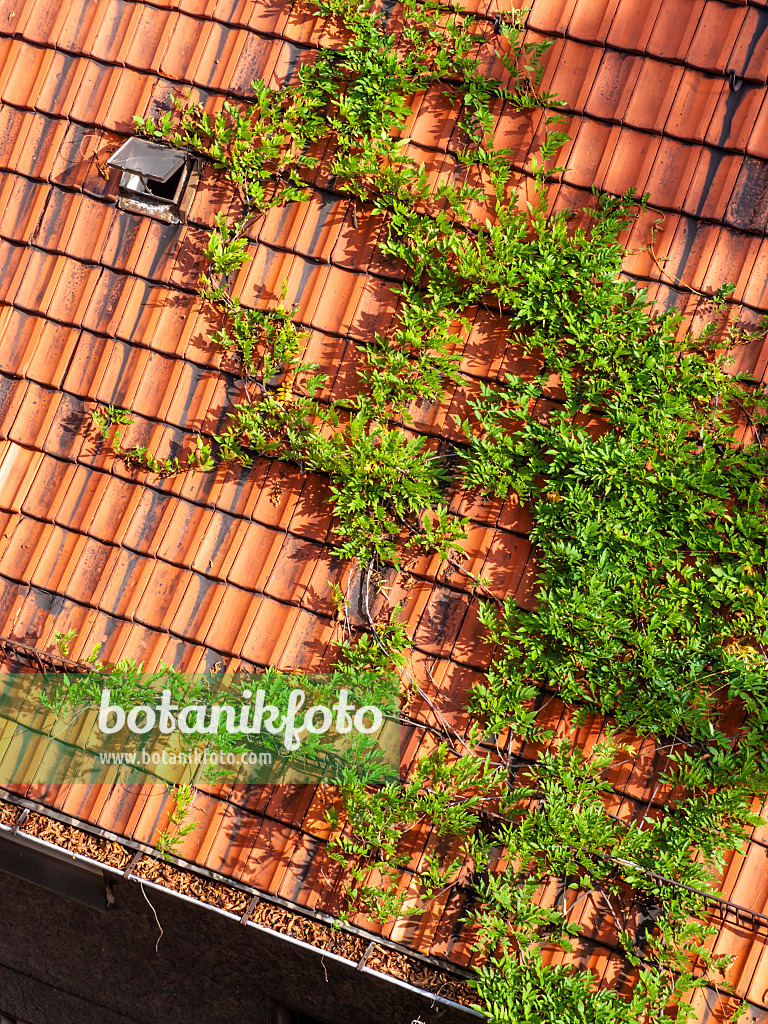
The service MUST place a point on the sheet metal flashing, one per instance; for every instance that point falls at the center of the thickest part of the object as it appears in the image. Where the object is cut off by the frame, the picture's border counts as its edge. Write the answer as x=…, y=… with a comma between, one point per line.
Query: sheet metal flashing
x=147, y=159
x=44, y=864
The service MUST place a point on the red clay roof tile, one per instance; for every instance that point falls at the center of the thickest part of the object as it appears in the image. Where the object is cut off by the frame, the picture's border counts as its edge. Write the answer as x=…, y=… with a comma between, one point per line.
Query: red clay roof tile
x=17, y=558
x=653, y=95
x=694, y=104
x=84, y=570
x=711, y=184
x=37, y=22
x=631, y=162
x=588, y=154
x=749, y=58
x=233, y=620
x=734, y=116
x=715, y=35
x=36, y=413
x=671, y=174
x=551, y=15
x=195, y=607
x=157, y=386
x=254, y=557
x=570, y=73
x=269, y=633
x=734, y=255
x=747, y=207
x=756, y=289
x=216, y=546
x=122, y=574
x=52, y=480
x=674, y=29
x=591, y=19
x=633, y=23
x=614, y=85
x=255, y=61
x=75, y=26
x=354, y=244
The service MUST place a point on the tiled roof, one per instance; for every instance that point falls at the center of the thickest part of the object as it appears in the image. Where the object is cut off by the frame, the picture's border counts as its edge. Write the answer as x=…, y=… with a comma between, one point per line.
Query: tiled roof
x=234, y=566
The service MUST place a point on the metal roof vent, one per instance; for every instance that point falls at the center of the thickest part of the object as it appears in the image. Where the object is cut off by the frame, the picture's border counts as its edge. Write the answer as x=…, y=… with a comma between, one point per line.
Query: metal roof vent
x=157, y=181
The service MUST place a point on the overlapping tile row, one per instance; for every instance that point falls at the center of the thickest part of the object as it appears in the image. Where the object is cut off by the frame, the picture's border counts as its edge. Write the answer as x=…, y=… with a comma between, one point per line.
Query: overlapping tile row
x=234, y=566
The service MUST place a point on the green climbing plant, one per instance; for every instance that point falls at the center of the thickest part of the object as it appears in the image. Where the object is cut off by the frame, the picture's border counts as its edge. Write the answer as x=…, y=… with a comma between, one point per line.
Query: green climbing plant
x=626, y=440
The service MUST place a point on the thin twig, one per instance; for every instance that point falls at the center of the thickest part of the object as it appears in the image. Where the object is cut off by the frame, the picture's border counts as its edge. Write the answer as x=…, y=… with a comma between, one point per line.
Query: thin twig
x=157, y=919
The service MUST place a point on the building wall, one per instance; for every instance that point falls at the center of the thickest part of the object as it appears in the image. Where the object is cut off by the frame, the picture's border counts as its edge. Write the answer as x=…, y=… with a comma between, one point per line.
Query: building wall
x=62, y=962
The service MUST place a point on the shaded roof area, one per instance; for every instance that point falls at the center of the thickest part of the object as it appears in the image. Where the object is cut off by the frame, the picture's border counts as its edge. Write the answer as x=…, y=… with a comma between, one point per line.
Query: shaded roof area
x=234, y=566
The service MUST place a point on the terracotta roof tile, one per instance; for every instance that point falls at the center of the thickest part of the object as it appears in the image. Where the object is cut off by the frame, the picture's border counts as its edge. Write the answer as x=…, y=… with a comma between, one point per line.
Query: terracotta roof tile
x=269, y=633
x=17, y=559
x=755, y=291
x=84, y=570
x=654, y=93
x=18, y=332
x=588, y=154
x=711, y=184
x=217, y=545
x=311, y=516
x=354, y=244
x=116, y=591
x=309, y=644
x=35, y=415
x=633, y=23
x=240, y=488
x=39, y=23
x=253, y=556
x=570, y=73
x=734, y=116
x=302, y=25
x=670, y=177
x=265, y=17
x=76, y=26
x=733, y=259
x=11, y=397
x=293, y=569
x=55, y=82
x=674, y=29
x=52, y=480
x=750, y=57
x=694, y=104
x=434, y=119
x=255, y=60
x=632, y=159
x=716, y=33
x=592, y=20
x=281, y=224
x=233, y=620
x=747, y=207
x=12, y=124
x=195, y=607
x=155, y=391
x=286, y=66
x=551, y=15
x=614, y=85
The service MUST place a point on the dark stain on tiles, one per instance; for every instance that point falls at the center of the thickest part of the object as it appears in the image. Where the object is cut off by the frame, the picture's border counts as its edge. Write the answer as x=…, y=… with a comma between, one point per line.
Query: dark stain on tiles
x=11, y=395
x=750, y=54
x=748, y=208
